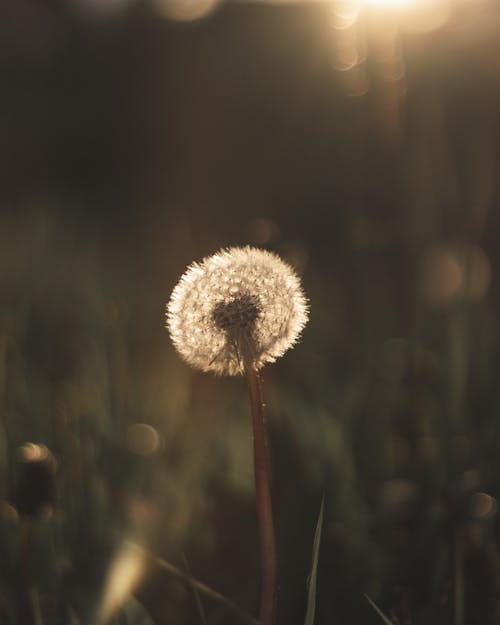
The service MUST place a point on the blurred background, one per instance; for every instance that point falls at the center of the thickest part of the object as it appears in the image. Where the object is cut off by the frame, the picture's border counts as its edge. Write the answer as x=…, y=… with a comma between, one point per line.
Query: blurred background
x=358, y=139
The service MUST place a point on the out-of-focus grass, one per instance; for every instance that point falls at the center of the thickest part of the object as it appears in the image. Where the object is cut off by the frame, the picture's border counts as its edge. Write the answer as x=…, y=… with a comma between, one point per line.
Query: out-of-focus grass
x=162, y=456
x=378, y=611
x=313, y=574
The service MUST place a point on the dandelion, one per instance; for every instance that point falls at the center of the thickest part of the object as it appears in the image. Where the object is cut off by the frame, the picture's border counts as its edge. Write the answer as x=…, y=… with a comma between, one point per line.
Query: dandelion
x=240, y=306
x=231, y=314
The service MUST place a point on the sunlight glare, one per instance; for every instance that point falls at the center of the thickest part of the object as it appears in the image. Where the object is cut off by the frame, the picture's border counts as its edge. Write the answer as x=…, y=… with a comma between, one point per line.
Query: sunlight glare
x=345, y=14
x=412, y=15
x=389, y=3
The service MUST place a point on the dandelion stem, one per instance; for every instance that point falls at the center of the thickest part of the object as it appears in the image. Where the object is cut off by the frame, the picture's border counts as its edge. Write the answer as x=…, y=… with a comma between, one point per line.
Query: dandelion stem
x=263, y=497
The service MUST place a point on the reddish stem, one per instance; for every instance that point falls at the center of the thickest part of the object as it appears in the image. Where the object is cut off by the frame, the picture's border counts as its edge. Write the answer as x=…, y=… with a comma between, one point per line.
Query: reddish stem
x=264, y=507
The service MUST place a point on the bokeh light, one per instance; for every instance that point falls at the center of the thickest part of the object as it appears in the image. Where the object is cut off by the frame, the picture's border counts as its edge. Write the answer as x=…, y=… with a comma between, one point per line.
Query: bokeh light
x=477, y=272
x=31, y=452
x=263, y=231
x=142, y=439
x=442, y=276
x=8, y=513
x=345, y=14
x=449, y=272
x=483, y=506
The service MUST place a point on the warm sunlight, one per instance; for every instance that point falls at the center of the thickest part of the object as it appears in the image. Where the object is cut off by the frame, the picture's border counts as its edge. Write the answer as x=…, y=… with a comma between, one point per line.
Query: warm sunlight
x=124, y=573
x=389, y=3
x=417, y=6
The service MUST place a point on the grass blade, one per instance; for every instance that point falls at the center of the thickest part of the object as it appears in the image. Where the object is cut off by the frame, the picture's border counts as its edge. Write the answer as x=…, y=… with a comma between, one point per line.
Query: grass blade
x=311, y=585
x=386, y=620
x=202, y=588
x=196, y=594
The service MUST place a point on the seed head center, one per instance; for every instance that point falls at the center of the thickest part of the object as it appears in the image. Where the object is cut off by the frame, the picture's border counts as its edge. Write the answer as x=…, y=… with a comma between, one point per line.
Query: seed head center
x=237, y=314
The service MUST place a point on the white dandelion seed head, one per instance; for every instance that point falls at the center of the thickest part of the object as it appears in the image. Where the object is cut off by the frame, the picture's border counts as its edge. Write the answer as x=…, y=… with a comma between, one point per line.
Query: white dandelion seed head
x=242, y=306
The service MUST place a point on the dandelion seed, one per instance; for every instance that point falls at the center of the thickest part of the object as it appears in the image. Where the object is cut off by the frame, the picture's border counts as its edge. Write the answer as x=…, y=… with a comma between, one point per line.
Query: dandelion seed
x=240, y=307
